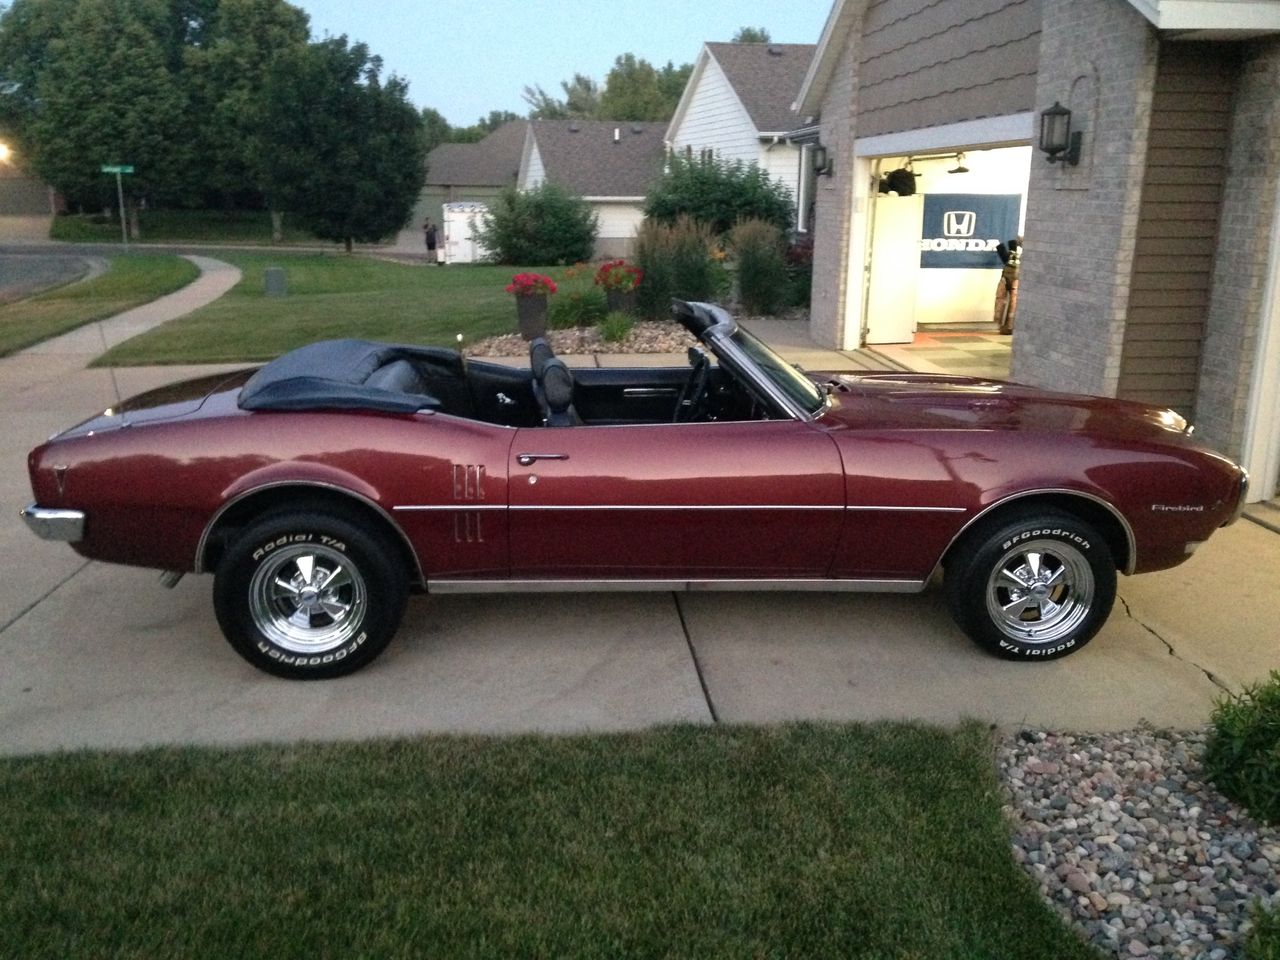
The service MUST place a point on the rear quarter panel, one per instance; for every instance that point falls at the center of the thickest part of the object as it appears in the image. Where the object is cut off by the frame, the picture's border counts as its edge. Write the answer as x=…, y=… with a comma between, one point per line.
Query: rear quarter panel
x=149, y=491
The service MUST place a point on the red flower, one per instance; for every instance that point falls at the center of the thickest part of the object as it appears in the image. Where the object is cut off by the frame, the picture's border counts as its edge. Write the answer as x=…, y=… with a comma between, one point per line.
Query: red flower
x=531, y=285
x=618, y=275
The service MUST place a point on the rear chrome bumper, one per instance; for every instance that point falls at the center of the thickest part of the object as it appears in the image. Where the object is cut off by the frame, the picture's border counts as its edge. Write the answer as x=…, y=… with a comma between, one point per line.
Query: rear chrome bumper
x=49, y=523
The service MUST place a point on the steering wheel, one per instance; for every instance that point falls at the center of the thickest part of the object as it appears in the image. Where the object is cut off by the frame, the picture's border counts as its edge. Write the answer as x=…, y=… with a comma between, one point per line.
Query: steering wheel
x=693, y=395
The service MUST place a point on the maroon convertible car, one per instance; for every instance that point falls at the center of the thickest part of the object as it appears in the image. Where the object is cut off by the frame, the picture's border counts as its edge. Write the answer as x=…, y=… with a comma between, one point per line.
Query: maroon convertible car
x=325, y=485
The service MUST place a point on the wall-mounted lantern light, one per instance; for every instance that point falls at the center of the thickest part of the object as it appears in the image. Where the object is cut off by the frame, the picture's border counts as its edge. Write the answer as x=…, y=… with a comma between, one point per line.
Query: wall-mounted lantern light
x=820, y=160
x=1056, y=138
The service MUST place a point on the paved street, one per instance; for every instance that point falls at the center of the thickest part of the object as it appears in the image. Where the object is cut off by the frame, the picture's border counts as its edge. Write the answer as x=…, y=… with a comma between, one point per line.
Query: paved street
x=104, y=656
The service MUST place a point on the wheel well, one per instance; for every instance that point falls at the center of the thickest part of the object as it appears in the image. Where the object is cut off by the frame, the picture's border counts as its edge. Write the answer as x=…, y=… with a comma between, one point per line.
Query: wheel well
x=1087, y=509
x=302, y=497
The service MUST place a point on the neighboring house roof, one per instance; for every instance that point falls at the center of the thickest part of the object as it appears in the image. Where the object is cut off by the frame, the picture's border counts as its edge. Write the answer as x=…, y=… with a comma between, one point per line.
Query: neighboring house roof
x=766, y=78
x=491, y=162
x=596, y=158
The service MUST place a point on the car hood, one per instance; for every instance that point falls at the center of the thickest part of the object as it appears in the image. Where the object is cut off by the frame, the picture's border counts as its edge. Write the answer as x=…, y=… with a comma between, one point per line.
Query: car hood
x=170, y=402
x=942, y=402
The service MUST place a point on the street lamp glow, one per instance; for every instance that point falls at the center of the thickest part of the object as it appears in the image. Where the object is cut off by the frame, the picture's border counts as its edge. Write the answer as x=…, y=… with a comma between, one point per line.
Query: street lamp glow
x=5, y=153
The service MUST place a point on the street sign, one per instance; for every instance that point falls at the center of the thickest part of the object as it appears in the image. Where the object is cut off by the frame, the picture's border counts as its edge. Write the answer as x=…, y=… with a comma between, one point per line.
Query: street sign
x=117, y=169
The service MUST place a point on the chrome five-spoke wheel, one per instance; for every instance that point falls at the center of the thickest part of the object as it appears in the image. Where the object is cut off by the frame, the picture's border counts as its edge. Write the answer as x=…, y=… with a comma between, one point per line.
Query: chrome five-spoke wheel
x=1031, y=584
x=312, y=593
x=1040, y=591
x=308, y=599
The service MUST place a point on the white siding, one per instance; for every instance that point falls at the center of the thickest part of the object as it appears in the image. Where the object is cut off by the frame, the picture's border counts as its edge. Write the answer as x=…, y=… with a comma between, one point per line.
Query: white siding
x=617, y=220
x=717, y=120
x=536, y=172
x=617, y=232
x=781, y=161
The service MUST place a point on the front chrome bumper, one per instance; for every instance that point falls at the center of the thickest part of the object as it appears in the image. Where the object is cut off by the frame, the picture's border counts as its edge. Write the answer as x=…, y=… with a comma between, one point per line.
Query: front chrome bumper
x=49, y=523
x=1242, y=495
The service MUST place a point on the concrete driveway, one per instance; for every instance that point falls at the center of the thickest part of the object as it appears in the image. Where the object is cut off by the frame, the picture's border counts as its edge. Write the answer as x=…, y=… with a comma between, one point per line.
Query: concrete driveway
x=103, y=656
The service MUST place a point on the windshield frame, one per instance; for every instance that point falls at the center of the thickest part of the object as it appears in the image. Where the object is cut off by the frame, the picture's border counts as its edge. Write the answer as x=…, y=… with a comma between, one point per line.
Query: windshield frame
x=752, y=361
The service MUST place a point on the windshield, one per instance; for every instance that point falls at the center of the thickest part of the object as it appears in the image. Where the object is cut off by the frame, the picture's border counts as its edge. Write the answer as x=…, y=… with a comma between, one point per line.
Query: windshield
x=799, y=389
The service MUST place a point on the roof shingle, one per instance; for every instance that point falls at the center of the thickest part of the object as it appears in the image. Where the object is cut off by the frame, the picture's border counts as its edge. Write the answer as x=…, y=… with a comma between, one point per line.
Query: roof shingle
x=491, y=162
x=601, y=158
x=766, y=77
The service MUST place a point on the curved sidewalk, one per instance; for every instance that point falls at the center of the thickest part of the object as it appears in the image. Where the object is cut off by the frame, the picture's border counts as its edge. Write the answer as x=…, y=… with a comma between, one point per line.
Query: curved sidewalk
x=216, y=278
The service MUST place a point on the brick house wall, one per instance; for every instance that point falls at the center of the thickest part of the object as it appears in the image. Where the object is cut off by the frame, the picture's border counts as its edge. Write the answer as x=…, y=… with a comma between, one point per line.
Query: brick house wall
x=1097, y=57
x=836, y=203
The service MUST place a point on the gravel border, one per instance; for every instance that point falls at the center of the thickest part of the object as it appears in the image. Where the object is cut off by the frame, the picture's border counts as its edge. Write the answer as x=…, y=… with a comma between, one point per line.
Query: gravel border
x=1128, y=842
x=647, y=337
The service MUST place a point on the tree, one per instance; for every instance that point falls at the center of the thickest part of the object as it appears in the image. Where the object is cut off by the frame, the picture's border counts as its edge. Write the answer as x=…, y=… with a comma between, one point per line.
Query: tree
x=752, y=35
x=214, y=55
x=341, y=150
x=633, y=90
x=544, y=225
x=27, y=28
x=671, y=81
x=435, y=129
x=482, y=127
x=581, y=99
x=718, y=194
x=107, y=97
x=226, y=71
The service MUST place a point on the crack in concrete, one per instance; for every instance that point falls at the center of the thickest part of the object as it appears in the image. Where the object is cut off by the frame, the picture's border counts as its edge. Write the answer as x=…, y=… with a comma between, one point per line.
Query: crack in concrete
x=43, y=597
x=1169, y=646
x=697, y=664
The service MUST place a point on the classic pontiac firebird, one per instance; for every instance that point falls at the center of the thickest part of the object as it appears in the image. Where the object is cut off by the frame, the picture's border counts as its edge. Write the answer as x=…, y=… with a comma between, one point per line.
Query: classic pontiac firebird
x=325, y=485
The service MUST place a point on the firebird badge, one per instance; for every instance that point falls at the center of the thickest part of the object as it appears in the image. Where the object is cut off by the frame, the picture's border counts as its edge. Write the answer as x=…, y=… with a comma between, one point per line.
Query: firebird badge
x=1178, y=508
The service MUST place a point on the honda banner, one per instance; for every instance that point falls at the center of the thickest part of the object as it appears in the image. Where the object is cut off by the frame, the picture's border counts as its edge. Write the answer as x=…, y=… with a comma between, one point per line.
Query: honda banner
x=961, y=230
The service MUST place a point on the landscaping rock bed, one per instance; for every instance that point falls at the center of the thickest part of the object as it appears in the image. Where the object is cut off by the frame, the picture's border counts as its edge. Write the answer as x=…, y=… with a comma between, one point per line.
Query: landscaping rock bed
x=647, y=337
x=1126, y=839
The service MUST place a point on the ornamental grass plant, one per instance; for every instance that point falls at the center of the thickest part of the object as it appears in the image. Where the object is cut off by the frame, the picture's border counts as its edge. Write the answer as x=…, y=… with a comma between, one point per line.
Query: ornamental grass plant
x=677, y=261
x=761, y=266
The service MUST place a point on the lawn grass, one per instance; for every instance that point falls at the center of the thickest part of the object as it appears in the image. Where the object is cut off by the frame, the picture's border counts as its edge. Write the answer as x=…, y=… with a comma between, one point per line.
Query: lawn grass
x=798, y=841
x=331, y=296
x=173, y=226
x=130, y=280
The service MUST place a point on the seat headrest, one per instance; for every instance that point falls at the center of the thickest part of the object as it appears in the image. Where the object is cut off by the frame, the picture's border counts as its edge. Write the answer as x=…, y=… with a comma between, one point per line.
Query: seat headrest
x=539, y=353
x=400, y=376
x=557, y=385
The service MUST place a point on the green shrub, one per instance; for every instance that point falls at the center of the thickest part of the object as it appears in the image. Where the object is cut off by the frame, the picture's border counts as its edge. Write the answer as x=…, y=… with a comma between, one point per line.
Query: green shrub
x=1264, y=939
x=719, y=194
x=800, y=272
x=540, y=226
x=1243, y=753
x=615, y=327
x=578, y=302
x=677, y=261
x=761, y=265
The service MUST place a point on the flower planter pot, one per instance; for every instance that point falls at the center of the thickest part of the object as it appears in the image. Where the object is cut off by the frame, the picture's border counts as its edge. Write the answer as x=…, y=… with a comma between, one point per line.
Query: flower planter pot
x=531, y=315
x=620, y=301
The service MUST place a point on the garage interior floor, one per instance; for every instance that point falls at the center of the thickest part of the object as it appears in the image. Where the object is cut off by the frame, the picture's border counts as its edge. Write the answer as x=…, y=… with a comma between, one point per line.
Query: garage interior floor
x=970, y=353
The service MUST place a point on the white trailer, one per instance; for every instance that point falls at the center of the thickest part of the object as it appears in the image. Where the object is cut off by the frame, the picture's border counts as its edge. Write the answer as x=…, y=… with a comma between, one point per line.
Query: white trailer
x=461, y=220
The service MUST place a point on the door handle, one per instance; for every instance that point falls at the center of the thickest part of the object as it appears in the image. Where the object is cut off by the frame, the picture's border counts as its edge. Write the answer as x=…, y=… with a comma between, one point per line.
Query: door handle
x=648, y=392
x=527, y=459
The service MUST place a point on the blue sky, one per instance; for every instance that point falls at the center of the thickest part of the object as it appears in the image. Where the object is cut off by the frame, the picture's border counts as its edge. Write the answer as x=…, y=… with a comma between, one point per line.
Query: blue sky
x=467, y=57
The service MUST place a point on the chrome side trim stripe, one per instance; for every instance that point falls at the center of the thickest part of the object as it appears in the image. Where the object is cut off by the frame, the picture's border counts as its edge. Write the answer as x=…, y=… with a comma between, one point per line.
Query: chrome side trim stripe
x=678, y=586
x=673, y=506
x=911, y=509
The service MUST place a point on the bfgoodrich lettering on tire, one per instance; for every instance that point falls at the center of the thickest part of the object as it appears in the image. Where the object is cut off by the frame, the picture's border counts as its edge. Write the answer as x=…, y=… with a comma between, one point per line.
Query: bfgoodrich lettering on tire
x=308, y=595
x=1031, y=586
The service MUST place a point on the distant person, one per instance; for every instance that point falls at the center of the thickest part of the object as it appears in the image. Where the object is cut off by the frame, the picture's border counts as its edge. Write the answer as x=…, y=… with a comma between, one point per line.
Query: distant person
x=432, y=236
